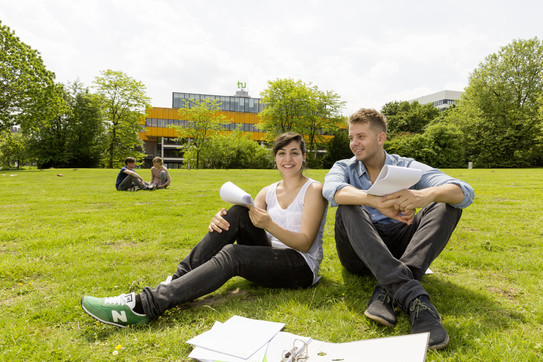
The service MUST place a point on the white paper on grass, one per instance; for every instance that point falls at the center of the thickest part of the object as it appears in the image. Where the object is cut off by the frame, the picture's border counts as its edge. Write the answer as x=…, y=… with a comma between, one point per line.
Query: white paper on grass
x=273, y=351
x=408, y=348
x=239, y=336
x=235, y=195
x=394, y=178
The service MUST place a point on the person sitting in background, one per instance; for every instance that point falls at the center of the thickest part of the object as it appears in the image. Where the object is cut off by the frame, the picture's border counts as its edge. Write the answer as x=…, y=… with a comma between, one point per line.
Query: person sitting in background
x=160, y=177
x=128, y=179
x=277, y=243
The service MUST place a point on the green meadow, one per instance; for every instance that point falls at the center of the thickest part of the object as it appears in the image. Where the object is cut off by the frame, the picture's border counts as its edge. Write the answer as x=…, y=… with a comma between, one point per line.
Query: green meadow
x=68, y=233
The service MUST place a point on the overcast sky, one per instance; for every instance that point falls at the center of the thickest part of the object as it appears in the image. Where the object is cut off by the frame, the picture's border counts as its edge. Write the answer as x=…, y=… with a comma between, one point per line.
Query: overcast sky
x=369, y=52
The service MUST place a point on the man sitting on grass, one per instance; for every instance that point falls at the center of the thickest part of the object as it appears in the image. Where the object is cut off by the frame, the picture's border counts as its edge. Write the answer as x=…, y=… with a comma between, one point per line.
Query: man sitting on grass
x=383, y=235
x=128, y=179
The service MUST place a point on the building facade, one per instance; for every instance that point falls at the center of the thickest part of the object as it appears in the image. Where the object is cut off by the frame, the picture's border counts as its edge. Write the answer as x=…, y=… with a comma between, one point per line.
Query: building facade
x=440, y=100
x=159, y=138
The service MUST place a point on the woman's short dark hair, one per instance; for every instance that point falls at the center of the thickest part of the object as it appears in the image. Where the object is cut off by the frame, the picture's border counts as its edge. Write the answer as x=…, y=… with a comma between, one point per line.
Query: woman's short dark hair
x=285, y=138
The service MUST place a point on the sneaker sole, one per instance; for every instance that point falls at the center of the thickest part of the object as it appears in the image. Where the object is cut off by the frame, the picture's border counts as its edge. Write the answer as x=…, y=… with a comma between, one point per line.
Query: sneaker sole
x=100, y=320
x=379, y=319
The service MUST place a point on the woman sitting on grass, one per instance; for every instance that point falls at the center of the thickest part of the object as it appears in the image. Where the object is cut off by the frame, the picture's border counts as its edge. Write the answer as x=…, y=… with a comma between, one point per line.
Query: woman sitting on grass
x=160, y=177
x=279, y=245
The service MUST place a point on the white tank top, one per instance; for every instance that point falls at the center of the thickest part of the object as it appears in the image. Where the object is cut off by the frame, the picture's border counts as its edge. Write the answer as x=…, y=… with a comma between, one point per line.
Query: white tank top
x=291, y=219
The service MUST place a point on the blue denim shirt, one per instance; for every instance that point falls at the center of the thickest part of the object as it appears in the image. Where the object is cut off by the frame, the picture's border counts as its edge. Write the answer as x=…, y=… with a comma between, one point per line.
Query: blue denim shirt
x=352, y=172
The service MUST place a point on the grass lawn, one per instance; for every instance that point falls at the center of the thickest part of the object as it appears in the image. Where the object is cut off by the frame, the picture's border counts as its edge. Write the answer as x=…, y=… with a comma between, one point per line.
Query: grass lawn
x=62, y=237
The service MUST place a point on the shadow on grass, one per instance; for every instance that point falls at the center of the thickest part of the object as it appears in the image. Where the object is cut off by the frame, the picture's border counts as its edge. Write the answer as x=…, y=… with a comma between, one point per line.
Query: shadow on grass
x=467, y=315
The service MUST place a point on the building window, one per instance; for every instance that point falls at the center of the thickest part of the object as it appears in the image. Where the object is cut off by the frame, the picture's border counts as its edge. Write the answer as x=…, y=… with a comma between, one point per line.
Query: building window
x=228, y=103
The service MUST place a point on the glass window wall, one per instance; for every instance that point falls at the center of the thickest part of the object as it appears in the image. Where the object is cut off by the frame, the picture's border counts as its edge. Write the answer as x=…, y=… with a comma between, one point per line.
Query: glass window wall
x=228, y=103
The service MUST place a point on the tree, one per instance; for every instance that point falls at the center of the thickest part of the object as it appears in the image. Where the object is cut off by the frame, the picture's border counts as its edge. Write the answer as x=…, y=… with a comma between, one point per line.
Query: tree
x=124, y=103
x=337, y=148
x=302, y=108
x=405, y=117
x=445, y=142
x=24, y=82
x=538, y=149
x=47, y=140
x=201, y=122
x=13, y=150
x=414, y=145
x=498, y=112
x=73, y=136
x=439, y=145
x=86, y=128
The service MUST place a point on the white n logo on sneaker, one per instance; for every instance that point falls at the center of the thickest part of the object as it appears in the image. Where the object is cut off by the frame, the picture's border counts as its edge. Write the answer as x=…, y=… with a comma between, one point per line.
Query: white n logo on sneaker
x=119, y=316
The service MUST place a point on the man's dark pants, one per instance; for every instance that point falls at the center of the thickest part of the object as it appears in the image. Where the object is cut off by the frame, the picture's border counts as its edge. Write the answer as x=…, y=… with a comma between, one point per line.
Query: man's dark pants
x=396, y=254
x=130, y=181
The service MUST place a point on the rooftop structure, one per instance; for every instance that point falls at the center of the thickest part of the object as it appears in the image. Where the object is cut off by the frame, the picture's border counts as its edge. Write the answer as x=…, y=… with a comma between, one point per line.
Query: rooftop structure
x=441, y=100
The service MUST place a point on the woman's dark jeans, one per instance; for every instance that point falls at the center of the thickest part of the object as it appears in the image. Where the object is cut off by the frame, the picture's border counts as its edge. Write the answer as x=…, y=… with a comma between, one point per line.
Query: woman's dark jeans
x=216, y=259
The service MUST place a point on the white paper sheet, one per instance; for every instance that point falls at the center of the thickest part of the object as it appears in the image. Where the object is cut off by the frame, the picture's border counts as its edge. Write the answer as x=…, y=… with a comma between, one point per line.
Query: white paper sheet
x=235, y=195
x=239, y=336
x=409, y=348
x=394, y=178
x=273, y=351
x=241, y=339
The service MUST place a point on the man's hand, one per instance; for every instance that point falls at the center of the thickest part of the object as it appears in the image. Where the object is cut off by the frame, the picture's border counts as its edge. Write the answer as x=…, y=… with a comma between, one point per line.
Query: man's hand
x=410, y=199
x=388, y=208
x=218, y=223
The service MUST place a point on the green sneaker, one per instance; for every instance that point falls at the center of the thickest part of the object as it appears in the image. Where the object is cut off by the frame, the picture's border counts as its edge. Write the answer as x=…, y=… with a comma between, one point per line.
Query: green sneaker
x=117, y=311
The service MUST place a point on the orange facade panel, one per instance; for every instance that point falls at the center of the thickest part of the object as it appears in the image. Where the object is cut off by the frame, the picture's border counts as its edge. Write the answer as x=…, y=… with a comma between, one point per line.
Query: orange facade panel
x=173, y=114
x=239, y=117
x=163, y=113
x=160, y=132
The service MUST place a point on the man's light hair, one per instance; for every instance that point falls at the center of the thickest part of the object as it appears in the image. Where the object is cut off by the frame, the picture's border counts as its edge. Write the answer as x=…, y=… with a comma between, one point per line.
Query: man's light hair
x=366, y=115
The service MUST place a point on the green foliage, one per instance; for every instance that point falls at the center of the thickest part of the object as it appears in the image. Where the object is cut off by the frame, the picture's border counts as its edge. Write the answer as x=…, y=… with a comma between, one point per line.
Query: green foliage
x=416, y=146
x=25, y=83
x=405, y=117
x=47, y=143
x=299, y=107
x=421, y=132
x=231, y=151
x=66, y=237
x=498, y=113
x=439, y=146
x=445, y=141
x=74, y=137
x=337, y=149
x=124, y=103
x=13, y=151
x=86, y=127
x=203, y=122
